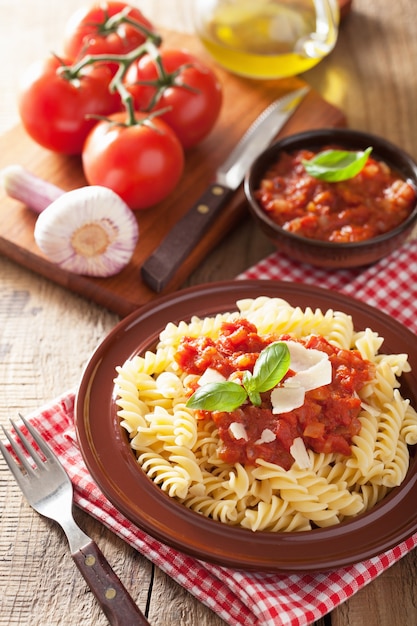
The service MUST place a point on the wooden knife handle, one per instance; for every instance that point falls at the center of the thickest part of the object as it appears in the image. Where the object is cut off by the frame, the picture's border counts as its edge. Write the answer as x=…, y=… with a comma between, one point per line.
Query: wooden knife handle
x=114, y=599
x=161, y=266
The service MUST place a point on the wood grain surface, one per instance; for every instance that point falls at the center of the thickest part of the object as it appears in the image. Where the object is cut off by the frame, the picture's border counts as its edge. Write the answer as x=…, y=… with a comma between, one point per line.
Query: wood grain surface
x=243, y=101
x=47, y=332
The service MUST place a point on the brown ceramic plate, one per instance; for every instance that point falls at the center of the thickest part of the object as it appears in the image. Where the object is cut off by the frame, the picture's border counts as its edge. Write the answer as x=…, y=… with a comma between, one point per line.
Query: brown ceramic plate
x=112, y=464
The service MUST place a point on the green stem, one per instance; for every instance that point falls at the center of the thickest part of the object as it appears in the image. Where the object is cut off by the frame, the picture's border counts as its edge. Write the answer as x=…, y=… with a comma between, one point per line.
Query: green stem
x=125, y=95
x=124, y=60
x=111, y=24
x=163, y=77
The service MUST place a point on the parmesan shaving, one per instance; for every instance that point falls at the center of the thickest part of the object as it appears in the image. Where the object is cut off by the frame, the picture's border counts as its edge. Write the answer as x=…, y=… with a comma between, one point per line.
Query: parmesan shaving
x=211, y=376
x=285, y=399
x=312, y=369
x=267, y=436
x=299, y=453
x=238, y=431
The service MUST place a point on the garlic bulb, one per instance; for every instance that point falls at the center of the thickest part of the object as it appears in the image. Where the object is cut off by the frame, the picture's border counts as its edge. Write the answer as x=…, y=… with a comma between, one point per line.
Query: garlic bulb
x=88, y=231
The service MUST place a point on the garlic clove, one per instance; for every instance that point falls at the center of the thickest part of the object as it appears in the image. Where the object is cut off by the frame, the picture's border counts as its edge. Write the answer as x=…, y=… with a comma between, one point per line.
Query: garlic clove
x=24, y=186
x=89, y=231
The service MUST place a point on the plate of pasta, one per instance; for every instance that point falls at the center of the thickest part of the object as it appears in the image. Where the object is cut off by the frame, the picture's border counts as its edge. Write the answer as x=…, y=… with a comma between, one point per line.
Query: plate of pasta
x=305, y=485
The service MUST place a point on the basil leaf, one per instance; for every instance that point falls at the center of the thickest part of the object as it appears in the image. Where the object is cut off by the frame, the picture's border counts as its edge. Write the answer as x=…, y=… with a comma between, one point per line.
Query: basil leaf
x=336, y=165
x=249, y=382
x=224, y=396
x=271, y=365
x=251, y=385
x=255, y=398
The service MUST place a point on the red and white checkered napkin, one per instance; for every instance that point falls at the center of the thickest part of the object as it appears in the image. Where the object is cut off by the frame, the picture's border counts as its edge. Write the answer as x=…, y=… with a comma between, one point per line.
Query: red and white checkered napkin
x=390, y=285
x=241, y=598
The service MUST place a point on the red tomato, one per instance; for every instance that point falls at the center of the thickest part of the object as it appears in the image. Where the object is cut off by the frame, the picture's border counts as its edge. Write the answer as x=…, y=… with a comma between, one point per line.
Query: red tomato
x=142, y=163
x=54, y=109
x=88, y=31
x=190, y=90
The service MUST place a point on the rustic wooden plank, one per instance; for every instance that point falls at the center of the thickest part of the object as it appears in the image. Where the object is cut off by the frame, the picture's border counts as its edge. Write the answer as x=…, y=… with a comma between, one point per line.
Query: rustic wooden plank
x=244, y=99
x=47, y=332
x=388, y=601
x=180, y=609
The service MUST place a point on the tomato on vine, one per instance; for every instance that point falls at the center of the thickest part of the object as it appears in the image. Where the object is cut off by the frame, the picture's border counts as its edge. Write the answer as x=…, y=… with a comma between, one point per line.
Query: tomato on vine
x=177, y=81
x=111, y=27
x=55, y=104
x=140, y=159
x=127, y=105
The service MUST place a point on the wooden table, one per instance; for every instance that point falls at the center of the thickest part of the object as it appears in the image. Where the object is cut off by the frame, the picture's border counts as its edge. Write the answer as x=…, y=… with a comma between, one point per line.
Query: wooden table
x=47, y=333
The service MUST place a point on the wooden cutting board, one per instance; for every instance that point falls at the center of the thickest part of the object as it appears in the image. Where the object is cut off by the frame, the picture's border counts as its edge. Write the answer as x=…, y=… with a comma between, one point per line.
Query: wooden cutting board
x=244, y=99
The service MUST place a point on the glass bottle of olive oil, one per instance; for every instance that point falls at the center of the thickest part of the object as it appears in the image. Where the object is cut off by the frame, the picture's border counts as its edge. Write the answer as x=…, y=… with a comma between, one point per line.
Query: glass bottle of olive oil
x=267, y=38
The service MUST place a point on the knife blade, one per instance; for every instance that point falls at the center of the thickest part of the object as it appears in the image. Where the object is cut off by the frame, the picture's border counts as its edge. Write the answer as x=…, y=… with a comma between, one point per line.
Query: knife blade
x=162, y=264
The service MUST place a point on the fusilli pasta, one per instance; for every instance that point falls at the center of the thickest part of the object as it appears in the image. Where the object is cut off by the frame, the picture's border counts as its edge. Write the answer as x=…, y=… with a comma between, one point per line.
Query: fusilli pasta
x=180, y=453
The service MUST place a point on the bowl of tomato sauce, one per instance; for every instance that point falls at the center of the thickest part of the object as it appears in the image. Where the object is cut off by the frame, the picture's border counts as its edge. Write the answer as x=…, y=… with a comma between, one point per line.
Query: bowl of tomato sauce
x=334, y=198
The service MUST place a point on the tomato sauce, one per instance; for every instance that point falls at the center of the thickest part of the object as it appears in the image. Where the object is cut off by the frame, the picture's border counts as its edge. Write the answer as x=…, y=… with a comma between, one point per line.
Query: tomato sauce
x=327, y=421
x=371, y=203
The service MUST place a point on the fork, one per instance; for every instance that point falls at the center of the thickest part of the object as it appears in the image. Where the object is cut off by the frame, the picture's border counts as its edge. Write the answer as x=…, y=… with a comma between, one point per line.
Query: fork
x=48, y=489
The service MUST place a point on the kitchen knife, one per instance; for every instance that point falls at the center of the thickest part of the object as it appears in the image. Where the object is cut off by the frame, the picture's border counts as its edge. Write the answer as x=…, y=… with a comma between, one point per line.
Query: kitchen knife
x=159, y=268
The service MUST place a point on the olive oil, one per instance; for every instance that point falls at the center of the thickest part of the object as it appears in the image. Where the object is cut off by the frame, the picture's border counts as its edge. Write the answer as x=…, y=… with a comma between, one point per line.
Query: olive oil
x=268, y=38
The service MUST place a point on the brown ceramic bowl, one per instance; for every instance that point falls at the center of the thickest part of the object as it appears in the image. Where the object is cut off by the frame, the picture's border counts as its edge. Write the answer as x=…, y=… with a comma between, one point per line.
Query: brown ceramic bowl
x=323, y=253
x=113, y=466
x=345, y=7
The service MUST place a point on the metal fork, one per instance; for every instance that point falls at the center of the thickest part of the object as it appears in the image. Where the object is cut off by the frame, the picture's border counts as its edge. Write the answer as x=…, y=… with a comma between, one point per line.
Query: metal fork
x=48, y=490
